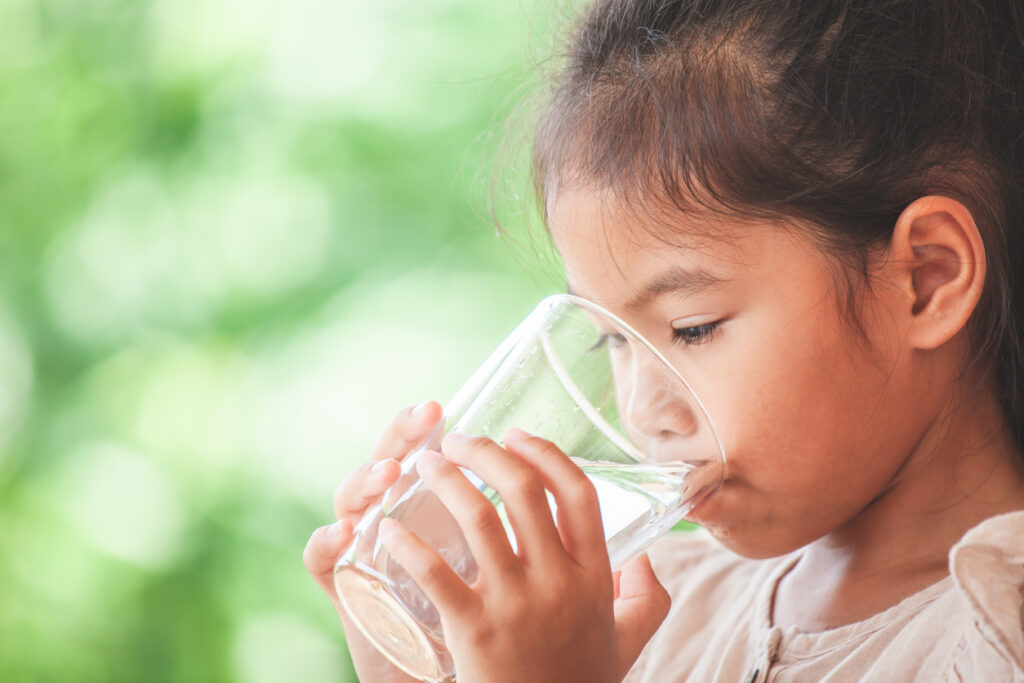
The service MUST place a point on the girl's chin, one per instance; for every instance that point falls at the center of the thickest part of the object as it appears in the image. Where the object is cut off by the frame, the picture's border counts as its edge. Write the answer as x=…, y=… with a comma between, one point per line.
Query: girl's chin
x=752, y=542
x=734, y=527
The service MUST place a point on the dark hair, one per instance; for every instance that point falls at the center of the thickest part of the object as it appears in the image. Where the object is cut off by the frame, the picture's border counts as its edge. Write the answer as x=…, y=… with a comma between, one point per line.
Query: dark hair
x=835, y=113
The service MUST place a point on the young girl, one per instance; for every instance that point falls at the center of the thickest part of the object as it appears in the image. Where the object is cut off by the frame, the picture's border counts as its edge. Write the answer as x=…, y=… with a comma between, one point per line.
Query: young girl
x=818, y=208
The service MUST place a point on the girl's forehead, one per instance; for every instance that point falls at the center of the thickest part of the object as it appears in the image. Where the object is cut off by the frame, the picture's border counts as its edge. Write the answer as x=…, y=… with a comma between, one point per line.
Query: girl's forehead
x=593, y=229
x=613, y=253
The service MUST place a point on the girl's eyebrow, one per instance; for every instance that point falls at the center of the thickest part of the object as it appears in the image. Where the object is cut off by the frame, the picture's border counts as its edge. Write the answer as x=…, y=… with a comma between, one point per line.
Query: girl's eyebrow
x=673, y=280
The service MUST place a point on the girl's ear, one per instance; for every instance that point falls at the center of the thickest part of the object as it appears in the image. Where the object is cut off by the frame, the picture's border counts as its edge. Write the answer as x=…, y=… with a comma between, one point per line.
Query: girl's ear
x=939, y=260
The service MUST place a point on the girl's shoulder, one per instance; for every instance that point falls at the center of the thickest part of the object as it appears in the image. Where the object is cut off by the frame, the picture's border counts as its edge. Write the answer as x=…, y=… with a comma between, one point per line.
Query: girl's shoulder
x=971, y=630
x=988, y=569
x=968, y=627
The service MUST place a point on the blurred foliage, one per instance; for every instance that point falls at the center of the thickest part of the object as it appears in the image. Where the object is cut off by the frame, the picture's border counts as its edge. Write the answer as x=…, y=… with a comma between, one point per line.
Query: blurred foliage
x=235, y=238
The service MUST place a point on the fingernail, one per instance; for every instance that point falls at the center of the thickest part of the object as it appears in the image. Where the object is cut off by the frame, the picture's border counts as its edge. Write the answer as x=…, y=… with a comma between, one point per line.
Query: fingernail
x=419, y=409
x=455, y=437
x=386, y=528
x=428, y=461
x=515, y=434
x=334, y=530
x=380, y=466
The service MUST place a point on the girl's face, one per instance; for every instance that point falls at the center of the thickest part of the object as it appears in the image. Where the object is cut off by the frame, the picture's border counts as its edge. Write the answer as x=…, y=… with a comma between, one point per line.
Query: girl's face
x=815, y=419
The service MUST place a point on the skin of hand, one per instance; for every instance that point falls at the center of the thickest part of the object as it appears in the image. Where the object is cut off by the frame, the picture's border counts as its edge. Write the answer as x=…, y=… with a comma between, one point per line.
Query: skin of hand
x=550, y=610
x=356, y=493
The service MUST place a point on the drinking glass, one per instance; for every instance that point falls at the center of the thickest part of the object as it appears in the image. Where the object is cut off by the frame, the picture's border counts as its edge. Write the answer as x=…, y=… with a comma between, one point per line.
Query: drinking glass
x=578, y=376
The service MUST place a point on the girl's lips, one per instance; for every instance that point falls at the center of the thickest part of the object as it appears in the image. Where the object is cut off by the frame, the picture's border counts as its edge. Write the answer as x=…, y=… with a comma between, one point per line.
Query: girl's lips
x=697, y=512
x=705, y=522
x=707, y=510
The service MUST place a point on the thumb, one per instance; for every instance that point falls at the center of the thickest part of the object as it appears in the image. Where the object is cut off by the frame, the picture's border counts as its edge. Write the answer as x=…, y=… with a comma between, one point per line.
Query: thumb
x=640, y=607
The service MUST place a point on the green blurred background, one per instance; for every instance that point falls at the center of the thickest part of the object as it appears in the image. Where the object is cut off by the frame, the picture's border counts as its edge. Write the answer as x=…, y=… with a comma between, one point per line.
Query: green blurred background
x=235, y=238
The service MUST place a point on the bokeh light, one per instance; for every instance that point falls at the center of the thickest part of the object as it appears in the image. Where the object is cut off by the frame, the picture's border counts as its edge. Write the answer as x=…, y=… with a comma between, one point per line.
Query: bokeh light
x=235, y=239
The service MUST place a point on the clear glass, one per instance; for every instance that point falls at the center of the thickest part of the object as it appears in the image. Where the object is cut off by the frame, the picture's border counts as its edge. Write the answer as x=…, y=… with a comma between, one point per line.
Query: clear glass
x=578, y=376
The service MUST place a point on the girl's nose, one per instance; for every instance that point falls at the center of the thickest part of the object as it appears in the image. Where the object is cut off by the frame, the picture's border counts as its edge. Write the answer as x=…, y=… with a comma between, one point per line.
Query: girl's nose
x=659, y=408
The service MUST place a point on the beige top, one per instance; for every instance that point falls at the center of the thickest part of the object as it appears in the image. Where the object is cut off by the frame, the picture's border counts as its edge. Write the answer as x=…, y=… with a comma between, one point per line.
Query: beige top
x=966, y=627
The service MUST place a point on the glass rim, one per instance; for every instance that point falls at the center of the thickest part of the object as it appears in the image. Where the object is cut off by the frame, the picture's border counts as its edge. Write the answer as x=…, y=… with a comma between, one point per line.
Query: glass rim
x=562, y=298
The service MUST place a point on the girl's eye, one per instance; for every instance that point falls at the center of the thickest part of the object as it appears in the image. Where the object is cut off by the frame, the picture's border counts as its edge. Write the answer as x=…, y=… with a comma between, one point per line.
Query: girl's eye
x=612, y=341
x=691, y=336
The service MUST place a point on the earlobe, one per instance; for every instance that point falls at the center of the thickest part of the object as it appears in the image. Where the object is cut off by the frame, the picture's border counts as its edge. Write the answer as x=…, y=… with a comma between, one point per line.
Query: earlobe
x=938, y=240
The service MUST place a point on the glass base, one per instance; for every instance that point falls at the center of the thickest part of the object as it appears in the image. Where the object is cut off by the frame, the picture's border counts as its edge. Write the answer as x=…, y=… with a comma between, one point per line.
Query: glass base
x=388, y=626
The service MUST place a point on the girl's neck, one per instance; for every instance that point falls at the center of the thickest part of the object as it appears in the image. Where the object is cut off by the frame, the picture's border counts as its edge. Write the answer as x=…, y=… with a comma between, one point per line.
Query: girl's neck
x=965, y=470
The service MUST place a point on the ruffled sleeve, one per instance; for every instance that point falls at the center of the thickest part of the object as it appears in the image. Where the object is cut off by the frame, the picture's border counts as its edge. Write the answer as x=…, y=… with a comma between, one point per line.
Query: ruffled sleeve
x=988, y=567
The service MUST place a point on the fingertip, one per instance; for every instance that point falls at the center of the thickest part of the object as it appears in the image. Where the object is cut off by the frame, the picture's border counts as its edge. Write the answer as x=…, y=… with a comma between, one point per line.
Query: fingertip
x=523, y=442
x=640, y=608
x=387, y=530
x=380, y=477
x=520, y=442
x=638, y=579
x=539, y=452
x=452, y=439
x=428, y=411
x=461, y=449
x=385, y=469
x=418, y=422
x=428, y=462
x=516, y=435
x=341, y=528
x=327, y=540
x=452, y=445
x=640, y=568
x=322, y=548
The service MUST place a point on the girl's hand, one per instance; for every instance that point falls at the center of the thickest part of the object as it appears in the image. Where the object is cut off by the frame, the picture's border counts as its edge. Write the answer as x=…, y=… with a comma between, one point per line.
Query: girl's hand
x=356, y=493
x=550, y=610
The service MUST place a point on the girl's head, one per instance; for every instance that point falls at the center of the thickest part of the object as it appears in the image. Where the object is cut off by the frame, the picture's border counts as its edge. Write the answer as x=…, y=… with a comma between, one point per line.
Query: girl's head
x=821, y=204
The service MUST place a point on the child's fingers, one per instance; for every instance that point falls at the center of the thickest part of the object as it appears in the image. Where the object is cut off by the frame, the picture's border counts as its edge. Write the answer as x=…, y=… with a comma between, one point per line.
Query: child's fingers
x=642, y=604
x=521, y=490
x=432, y=574
x=406, y=431
x=362, y=488
x=476, y=515
x=579, y=515
x=322, y=552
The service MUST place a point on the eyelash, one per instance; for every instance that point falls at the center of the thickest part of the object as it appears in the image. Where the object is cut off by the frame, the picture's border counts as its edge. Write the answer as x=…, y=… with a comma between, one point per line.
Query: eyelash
x=693, y=336
x=612, y=341
x=683, y=336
